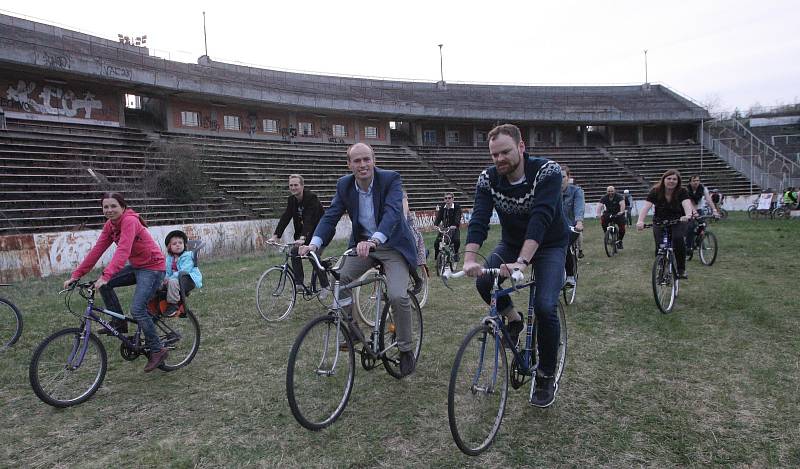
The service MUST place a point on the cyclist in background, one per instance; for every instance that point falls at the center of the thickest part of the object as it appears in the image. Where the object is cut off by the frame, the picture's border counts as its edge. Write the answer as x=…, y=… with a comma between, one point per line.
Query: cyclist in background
x=574, y=206
x=612, y=206
x=697, y=193
x=626, y=194
x=448, y=215
x=671, y=202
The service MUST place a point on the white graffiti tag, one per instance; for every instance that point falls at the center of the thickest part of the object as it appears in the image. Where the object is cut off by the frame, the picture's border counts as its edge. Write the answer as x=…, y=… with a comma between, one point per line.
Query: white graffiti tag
x=66, y=103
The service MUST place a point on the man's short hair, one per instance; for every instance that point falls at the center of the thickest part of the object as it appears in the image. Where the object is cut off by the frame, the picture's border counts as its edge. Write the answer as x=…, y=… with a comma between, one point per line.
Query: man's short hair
x=297, y=176
x=448, y=194
x=372, y=150
x=565, y=170
x=507, y=129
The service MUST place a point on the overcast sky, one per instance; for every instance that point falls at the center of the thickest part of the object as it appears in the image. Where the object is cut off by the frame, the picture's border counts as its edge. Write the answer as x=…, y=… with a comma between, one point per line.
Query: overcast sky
x=732, y=52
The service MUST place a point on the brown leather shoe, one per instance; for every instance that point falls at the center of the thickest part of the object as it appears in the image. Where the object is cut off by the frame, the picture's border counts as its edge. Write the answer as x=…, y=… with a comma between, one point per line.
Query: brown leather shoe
x=155, y=360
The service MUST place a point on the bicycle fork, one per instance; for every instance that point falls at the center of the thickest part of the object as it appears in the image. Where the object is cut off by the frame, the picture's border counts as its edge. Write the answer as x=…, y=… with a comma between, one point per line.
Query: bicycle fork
x=492, y=384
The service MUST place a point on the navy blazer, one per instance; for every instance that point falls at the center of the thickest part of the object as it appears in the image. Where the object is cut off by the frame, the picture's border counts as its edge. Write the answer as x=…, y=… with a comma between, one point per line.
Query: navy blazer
x=387, y=198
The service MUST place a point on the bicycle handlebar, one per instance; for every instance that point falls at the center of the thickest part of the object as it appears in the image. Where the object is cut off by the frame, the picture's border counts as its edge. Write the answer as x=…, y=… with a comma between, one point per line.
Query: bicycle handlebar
x=516, y=276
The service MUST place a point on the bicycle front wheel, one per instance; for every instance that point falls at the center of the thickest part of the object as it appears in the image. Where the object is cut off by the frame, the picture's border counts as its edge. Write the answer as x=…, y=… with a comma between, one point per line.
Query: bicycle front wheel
x=276, y=293
x=570, y=291
x=708, y=248
x=10, y=324
x=181, y=336
x=664, y=284
x=319, y=377
x=478, y=390
x=61, y=374
x=610, y=243
x=387, y=339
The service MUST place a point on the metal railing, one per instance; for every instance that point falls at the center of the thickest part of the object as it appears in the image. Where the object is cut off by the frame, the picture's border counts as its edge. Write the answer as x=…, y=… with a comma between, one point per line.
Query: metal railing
x=748, y=165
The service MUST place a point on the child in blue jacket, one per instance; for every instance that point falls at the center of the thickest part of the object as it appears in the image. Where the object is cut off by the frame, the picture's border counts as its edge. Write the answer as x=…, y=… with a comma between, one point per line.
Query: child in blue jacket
x=179, y=260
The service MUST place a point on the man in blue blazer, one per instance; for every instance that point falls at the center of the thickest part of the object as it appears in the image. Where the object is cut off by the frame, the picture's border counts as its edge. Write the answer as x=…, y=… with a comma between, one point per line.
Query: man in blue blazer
x=373, y=198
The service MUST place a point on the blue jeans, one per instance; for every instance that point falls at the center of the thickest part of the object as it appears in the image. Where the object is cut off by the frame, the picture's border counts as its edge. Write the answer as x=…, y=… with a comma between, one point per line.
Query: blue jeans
x=548, y=267
x=147, y=282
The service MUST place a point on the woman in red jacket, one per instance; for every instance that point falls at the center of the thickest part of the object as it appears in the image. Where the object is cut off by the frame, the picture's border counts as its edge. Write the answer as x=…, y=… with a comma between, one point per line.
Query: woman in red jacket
x=146, y=269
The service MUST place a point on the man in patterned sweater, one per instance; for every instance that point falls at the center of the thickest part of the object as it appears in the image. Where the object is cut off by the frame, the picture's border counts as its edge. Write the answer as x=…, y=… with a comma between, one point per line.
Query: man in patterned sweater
x=526, y=193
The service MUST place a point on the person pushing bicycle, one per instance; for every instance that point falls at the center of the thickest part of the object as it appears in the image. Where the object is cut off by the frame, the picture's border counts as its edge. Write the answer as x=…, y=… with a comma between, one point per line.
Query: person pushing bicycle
x=526, y=193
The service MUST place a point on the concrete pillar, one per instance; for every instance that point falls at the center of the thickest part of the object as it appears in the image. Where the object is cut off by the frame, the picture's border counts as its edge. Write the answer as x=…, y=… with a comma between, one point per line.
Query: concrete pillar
x=531, y=140
x=584, y=135
x=639, y=135
x=558, y=136
x=610, y=135
x=474, y=136
x=417, y=133
x=446, y=142
x=669, y=134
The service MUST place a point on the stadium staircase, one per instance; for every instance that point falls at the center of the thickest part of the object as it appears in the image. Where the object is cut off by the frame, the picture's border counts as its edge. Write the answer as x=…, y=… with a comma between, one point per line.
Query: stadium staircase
x=53, y=175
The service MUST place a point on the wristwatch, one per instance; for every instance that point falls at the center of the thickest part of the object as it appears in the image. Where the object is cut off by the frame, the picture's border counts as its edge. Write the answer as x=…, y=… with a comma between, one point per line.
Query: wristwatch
x=522, y=260
x=374, y=241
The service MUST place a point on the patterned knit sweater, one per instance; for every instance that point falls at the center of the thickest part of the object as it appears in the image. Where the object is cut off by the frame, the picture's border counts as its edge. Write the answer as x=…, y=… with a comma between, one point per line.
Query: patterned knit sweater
x=527, y=210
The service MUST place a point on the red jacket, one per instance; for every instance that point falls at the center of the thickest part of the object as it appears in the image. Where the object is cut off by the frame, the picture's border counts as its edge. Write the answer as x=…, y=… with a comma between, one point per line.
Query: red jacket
x=134, y=244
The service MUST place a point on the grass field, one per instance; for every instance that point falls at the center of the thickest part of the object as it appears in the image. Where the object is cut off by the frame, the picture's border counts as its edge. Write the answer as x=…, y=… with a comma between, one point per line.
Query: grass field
x=714, y=383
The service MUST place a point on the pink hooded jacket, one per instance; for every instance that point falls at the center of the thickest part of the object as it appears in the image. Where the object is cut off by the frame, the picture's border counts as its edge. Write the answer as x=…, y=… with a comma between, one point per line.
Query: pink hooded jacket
x=134, y=244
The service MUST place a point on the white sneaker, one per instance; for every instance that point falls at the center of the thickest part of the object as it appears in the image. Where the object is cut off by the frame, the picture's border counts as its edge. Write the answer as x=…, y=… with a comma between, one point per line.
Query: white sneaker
x=570, y=280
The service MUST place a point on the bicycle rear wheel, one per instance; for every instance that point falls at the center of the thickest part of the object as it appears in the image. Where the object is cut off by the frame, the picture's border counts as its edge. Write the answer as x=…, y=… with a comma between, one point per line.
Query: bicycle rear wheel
x=61, y=374
x=664, y=284
x=319, y=377
x=708, y=248
x=478, y=390
x=387, y=339
x=10, y=324
x=610, y=243
x=276, y=293
x=422, y=296
x=570, y=291
x=181, y=336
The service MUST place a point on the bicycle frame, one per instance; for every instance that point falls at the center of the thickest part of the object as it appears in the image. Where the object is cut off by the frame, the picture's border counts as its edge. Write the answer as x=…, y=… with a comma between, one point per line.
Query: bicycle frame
x=86, y=320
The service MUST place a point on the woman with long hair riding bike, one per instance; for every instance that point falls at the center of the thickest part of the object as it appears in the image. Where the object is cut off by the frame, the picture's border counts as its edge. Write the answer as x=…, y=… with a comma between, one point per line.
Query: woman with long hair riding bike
x=671, y=201
x=146, y=268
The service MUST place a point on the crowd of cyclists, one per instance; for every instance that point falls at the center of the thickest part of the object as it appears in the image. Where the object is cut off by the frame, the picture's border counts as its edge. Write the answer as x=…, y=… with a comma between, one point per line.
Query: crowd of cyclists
x=541, y=212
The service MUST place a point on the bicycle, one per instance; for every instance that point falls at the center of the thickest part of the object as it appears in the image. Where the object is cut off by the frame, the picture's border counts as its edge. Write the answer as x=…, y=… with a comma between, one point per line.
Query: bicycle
x=364, y=298
x=569, y=291
x=321, y=369
x=69, y=366
x=10, y=322
x=611, y=237
x=446, y=254
x=665, y=271
x=276, y=289
x=478, y=388
x=705, y=242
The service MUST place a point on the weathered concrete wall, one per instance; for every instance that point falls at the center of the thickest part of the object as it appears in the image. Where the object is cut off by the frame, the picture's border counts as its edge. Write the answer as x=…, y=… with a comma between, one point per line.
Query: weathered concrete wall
x=42, y=255
x=45, y=254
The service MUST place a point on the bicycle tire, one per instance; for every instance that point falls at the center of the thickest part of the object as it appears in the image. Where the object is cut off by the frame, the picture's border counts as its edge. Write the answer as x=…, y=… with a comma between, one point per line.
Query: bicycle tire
x=422, y=296
x=610, y=243
x=387, y=337
x=569, y=292
x=707, y=248
x=10, y=324
x=54, y=352
x=663, y=281
x=364, y=297
x=276, y=288
x=752, y=213
x=723, y=214
x=309, y=382
x=181, y=336
x=478, y=391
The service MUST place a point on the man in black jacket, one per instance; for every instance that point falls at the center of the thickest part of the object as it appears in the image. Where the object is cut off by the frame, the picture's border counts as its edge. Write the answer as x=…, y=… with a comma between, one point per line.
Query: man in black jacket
x=448, y=216
x=305, y=210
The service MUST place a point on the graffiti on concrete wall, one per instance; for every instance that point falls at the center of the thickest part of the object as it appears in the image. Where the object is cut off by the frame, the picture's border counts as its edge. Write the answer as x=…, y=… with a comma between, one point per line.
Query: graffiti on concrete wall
x=52, y=100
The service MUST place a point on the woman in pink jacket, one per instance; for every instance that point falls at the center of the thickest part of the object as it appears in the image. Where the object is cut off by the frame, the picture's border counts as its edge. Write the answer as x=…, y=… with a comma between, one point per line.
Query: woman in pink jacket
x=146, y=269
